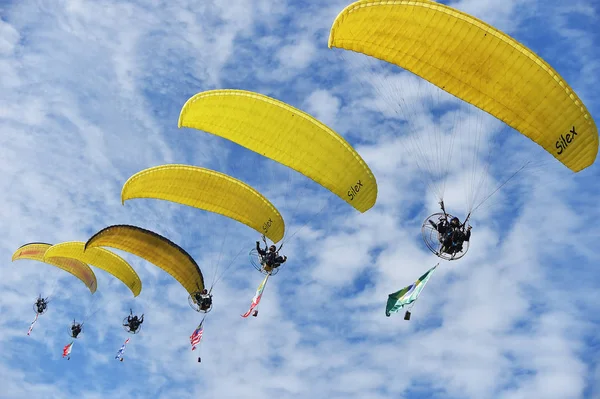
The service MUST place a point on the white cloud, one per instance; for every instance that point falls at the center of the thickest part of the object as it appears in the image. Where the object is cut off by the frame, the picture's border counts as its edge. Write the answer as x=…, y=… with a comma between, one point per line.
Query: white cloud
x=323, y=105
x=297, y=55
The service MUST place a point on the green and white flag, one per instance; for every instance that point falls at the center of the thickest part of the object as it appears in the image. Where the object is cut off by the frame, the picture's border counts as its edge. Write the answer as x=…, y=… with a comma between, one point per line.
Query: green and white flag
x=407, y=295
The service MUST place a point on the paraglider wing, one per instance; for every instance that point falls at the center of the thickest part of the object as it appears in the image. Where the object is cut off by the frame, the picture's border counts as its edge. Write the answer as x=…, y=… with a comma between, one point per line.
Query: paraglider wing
x=154, y=248
x=287, y=135
x=101, y=258
x=476, y=63
x=36, y=251
x=209, y=190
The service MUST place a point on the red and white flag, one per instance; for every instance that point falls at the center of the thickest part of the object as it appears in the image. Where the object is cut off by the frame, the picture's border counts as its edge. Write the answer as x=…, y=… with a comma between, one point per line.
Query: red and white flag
x=67, y=349
x=257, y=296
x=32, y=324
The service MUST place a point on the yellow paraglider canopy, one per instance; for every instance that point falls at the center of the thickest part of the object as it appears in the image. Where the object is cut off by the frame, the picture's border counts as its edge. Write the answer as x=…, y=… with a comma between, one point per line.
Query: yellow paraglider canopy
x=37, y=250
x=209, y=190
x=476, y=63
x=287, y=135
x=154, y=248
x=99, y=257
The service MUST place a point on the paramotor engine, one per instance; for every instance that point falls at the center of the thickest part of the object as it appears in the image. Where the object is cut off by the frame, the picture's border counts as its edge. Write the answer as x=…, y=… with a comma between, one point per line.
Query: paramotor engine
x=434, y=239
x=257, y=262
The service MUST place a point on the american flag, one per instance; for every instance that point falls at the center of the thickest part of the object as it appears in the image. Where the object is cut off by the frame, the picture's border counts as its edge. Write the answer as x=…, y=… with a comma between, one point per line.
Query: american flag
x=196, y=336
x=120, y=352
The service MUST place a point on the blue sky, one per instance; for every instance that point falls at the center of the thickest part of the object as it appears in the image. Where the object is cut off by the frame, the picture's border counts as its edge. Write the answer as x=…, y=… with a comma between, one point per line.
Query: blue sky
x=90, y=94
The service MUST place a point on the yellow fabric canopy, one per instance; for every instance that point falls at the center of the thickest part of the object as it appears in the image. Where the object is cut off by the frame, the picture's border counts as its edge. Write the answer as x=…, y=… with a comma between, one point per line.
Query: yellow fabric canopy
x=287, y=135
x=208, y=190
x=154, y=248
x=37, y=250
x=100, y=258
x=476, y=63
